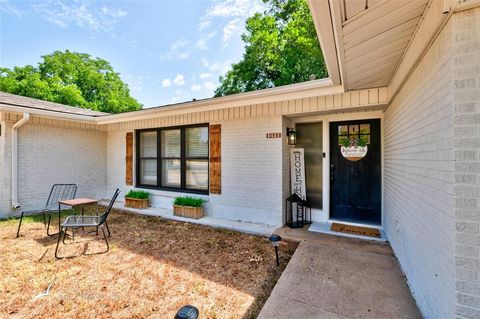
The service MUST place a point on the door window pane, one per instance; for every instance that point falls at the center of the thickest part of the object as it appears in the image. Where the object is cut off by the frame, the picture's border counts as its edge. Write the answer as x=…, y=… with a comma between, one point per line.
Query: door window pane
x=364, y=128
x=343, y=129
x=196, y=139
x=170, y=143
x=148, y=144
x=353, y=129
x=148, y=171
x=197, y=174
x=171, y=169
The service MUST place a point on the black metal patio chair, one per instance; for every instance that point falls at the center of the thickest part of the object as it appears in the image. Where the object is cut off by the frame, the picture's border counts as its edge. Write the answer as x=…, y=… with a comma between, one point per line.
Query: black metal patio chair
x=75, y=221
x=58, y=192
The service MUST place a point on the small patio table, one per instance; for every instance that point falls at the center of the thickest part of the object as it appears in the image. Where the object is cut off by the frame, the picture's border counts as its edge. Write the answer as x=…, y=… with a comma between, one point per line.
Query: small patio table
x=77, y=202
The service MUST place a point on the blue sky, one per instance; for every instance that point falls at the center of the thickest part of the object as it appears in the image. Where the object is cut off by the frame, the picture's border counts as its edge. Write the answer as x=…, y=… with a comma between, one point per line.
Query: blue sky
x=167, y=51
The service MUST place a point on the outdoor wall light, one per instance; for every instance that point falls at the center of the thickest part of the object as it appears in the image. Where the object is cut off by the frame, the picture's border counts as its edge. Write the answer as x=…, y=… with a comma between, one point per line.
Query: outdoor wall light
x=275, y=240
x=291, y=136
x=187, y=312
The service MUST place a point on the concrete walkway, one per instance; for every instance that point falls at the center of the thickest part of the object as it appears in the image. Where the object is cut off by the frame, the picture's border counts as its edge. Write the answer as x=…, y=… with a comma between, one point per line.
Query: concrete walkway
x=249, y=228
x=337, y=277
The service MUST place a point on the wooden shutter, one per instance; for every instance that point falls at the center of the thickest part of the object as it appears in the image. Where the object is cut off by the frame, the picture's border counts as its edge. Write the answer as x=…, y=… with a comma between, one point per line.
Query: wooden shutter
x=129, y=159
x=215, y=179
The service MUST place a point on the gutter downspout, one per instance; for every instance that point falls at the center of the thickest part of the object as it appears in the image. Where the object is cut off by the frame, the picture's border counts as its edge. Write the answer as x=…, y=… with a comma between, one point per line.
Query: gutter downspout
x=15, y=127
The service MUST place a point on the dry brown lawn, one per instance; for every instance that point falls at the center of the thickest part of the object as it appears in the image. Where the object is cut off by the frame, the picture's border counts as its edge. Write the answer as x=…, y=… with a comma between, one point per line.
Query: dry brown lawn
x=154, y=267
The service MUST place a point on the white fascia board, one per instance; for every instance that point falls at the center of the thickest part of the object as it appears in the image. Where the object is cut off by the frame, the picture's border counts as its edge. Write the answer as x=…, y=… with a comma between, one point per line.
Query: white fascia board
x=47, y=113
x=321, y=11
x=289, y=92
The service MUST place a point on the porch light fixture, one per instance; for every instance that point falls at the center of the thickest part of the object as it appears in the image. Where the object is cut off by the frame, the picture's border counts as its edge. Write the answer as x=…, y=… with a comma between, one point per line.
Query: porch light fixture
x=275, y=240
x=291, y=136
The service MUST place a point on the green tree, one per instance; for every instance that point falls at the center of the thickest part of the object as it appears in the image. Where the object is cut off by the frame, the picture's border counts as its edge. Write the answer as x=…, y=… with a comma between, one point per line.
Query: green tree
x=71, y=78
x=281, y=47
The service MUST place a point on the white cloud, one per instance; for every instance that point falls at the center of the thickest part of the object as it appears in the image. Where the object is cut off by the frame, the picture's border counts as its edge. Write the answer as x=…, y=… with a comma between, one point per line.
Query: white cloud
x=178, y=50
x=179, y=80
x=183, y=55
x=166, y=83
x=135, y=82
x=80, y=13
x=204, y=76
x=235, y=8
x=202, y=42
x=220, y=67
x=178, y=45
x=236, y=11
x=196, y=87
x=209, y=85
x=9, y=8
x=232, y=27
x=204, y=24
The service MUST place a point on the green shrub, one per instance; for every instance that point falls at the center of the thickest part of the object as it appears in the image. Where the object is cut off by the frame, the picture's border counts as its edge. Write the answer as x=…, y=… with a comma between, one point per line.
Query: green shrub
x=137, y=194
x=188, y=201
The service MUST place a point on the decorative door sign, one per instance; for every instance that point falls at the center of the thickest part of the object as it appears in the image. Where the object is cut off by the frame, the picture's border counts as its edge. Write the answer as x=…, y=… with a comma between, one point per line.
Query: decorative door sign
x=297, y=171
x=354, y=140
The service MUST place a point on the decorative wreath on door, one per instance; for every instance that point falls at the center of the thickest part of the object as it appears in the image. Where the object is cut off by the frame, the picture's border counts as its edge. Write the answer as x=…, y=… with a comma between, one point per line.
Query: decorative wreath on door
x=354, y=149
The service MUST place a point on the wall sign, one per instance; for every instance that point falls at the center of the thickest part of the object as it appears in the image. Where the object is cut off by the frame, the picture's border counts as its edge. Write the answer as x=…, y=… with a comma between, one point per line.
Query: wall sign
x=297, y=171
x=274, y=135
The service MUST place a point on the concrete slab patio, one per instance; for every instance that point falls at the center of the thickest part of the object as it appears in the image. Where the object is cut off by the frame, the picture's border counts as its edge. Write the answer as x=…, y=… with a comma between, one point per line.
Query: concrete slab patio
x=338, y=277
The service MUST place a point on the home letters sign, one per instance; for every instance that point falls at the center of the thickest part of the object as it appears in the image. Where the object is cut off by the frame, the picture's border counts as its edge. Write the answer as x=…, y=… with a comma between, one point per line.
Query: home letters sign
x=297, y=171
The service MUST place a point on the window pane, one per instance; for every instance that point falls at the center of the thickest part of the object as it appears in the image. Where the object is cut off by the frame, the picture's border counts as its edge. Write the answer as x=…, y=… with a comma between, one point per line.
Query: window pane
x=197, y=141
x=309, y=137
x=148, y=172
x=364, y=128
x=171, y=143
x=343, y=140
x=148, y=144
x=197, y=174
x=343, y=129
x=353, y=129
x=171, y=172
x=365, y=139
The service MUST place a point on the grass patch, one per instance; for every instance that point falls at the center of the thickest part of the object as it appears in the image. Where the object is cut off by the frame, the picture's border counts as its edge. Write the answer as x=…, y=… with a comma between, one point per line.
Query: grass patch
x=188, y=201
x=153, y=268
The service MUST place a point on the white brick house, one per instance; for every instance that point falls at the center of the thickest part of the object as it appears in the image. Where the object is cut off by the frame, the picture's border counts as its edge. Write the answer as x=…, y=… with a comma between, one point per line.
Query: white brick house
x=410, y=68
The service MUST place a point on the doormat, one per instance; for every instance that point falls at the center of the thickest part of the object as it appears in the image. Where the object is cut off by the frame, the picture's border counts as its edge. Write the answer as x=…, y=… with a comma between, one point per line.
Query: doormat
x=356, y=230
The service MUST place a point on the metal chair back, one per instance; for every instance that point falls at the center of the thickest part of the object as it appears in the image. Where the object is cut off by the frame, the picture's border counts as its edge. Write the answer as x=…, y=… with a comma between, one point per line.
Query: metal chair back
x=60, y=192
x=104, y=216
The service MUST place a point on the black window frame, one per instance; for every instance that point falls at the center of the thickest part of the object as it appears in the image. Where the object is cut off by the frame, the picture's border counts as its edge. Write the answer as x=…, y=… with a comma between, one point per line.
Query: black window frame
x=183, y=160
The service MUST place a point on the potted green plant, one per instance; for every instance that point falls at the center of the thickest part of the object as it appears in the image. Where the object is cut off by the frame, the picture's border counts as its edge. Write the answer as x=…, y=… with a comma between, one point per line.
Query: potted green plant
x=137, y=199
x=186, y=206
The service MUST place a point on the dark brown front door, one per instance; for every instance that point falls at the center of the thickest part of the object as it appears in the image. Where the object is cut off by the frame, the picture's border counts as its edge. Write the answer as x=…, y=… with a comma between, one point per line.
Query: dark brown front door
x=355, y=186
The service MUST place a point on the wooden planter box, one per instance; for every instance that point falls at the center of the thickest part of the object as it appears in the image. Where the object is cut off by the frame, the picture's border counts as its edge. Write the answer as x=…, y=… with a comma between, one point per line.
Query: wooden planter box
x=188, y=211
x=136, y=203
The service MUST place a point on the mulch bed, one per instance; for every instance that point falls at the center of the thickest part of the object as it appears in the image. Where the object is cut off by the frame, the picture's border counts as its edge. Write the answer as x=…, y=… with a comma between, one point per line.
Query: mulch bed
x=154, y=267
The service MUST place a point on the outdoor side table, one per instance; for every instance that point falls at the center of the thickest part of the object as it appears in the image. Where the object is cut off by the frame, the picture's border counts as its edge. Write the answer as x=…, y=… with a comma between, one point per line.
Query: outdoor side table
x=77, y=202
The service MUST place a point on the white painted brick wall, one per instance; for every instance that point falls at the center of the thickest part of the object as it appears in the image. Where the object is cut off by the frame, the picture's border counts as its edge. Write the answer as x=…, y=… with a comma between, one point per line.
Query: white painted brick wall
x=251, y=171
x=418, y=179
x=466, y=76
x=49, y=154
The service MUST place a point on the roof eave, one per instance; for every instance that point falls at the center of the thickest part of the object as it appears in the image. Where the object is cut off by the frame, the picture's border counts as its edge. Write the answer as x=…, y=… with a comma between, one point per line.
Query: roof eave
x=321, y=11
x=47, y=113
x=287, y=92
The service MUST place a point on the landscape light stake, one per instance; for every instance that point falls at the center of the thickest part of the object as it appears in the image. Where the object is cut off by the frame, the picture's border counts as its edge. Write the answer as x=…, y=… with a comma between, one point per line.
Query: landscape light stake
x=275, y=240
x=187, y=312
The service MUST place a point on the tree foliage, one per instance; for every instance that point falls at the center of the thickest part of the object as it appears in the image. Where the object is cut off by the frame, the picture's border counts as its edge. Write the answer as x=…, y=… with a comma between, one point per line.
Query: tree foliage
x=281, y=47
x=71, y=78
